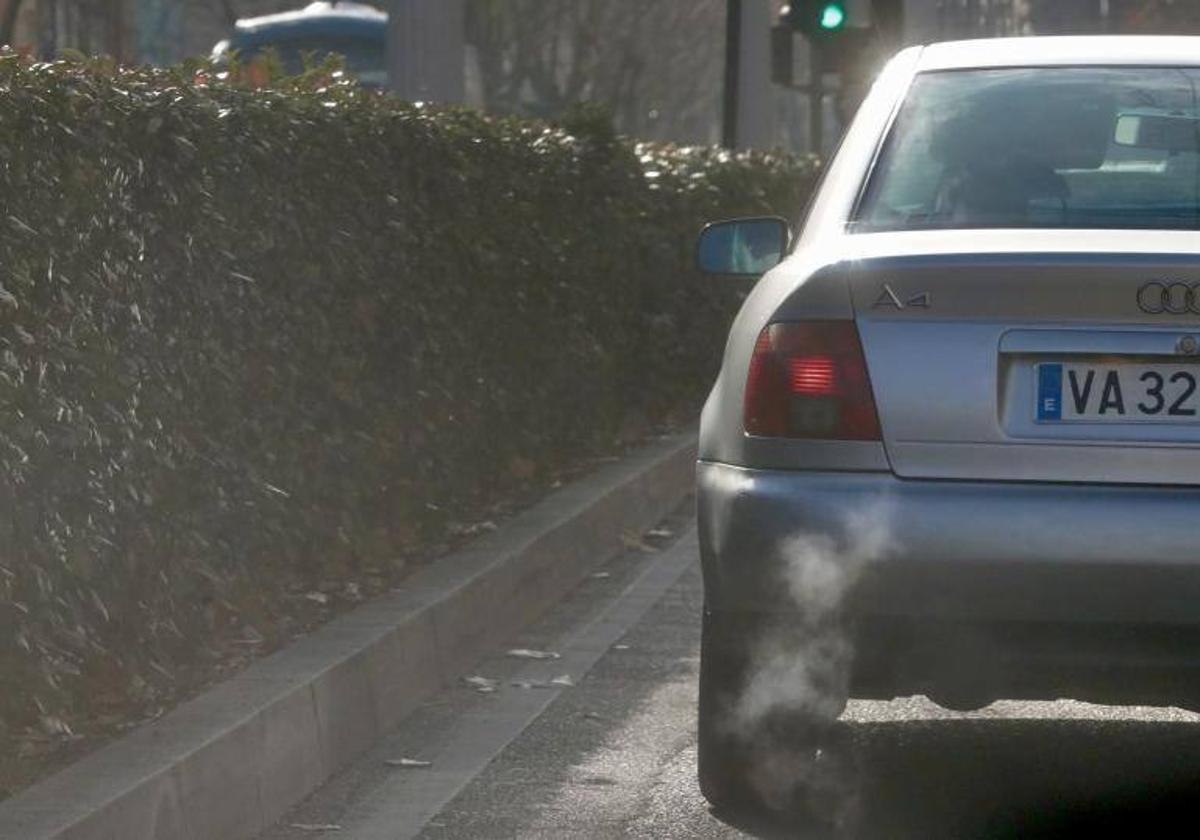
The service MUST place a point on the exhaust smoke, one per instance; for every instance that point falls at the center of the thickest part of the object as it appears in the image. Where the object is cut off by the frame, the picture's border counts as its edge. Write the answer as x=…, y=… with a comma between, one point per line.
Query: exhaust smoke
x=799, y=670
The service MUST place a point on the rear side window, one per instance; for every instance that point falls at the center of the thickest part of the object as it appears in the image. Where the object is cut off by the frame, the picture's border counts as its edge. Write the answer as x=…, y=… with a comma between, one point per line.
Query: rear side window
x=1041, y=147
x=365, y=58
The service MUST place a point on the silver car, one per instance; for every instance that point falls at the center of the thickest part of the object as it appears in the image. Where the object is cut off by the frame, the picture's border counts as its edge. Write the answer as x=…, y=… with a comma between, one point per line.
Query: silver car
x=954, y=447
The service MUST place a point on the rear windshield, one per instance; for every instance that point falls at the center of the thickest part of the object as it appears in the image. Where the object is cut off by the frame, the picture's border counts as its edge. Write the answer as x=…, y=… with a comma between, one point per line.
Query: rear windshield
x=1038, y=148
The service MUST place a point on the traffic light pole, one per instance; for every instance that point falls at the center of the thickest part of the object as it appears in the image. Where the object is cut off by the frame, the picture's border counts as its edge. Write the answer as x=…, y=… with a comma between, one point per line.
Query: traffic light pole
x=733, y=79
x=816, y=99
x=747, y=120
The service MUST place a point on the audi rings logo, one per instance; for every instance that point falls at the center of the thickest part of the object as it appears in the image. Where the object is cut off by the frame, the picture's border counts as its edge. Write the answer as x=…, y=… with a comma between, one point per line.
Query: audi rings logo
x=1159, y=298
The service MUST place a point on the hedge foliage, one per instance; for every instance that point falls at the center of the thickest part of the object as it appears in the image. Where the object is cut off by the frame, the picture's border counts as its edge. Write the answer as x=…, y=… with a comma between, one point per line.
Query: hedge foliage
x=252, y=339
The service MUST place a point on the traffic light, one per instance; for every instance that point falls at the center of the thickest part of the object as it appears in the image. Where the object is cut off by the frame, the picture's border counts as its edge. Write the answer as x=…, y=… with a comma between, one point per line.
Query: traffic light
x=827, y=24
x=840, y=33
x=816, y=17
x=833, y=17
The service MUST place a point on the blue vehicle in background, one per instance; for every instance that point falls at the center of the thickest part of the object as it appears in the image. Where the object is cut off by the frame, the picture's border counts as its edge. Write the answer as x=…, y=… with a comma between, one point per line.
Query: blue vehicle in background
x=355, y=31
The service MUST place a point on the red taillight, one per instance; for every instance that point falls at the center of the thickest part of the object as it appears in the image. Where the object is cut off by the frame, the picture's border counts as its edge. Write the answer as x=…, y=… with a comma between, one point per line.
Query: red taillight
x=809, y=380
x=814, y=376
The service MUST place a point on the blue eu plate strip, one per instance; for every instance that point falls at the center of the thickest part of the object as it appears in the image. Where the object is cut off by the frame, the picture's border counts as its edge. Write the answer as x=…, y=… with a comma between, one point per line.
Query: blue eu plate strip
x=1049, y=392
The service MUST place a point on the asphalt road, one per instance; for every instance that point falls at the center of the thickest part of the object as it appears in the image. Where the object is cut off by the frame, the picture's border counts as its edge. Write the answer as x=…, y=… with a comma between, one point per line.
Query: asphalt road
x=613, y=755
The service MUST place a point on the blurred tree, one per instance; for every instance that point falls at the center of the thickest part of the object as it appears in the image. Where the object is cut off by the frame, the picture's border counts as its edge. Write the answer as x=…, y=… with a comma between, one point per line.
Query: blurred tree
x=8, y=20
x=990, y=18
x=88, y=26
x=655, y=63
x=1066, y=17
x=227, y=12
x=1167, y=17
x=1174, y=17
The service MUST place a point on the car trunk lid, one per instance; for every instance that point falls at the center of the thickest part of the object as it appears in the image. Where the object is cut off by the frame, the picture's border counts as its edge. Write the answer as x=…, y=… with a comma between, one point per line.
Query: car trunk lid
x=965, y=333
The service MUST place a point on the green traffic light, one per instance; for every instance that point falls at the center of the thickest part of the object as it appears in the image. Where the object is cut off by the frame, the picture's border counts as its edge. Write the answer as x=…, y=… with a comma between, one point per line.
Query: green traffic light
x=833, y=16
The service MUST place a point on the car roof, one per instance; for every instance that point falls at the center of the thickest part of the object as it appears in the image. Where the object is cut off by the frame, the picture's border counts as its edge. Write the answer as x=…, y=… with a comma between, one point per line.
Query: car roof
x=1059, y=51
x=343, y=18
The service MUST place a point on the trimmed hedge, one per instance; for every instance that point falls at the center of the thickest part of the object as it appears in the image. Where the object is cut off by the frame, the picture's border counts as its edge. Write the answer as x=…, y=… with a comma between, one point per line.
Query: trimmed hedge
x=251, y=341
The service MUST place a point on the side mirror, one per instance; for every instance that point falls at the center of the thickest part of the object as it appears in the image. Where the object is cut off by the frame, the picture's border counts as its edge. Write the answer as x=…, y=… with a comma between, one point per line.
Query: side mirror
x=742, y=247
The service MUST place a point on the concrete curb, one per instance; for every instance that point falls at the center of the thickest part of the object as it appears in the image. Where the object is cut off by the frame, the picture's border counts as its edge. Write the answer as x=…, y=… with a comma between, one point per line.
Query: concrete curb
x=229, y=763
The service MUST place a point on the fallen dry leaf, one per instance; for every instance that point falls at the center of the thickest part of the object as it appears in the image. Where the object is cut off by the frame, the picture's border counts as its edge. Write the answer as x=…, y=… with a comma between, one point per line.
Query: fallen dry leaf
x=634, y=542
x=525, y=653
x=408, y=763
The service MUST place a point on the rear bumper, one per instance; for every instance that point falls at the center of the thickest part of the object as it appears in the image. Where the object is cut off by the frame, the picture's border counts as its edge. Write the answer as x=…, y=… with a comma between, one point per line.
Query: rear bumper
x=969, y=664
x=958, y=551
x=981, y=590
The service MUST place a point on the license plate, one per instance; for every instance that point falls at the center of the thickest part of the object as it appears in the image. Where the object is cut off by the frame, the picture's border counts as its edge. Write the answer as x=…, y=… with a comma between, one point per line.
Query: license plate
x=1117, y=392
